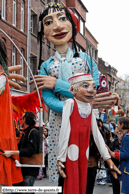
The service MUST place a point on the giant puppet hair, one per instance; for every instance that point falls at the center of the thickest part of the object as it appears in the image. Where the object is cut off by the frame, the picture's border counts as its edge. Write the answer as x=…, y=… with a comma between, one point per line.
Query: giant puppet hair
x=3, y=56
x=55, y=7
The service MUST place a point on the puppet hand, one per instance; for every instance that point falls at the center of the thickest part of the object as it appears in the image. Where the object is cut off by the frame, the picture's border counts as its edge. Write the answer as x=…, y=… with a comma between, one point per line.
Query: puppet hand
x=113, y=167
x=60, y=170
x=7, y=153
x=104, y=100
x=15, y=76
x=45, y=81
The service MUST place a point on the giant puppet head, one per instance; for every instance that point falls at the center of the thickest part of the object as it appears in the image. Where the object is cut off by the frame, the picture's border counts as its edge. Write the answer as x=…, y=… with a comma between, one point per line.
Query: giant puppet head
x=58, y=25
x=83, y=87
x=103, y=86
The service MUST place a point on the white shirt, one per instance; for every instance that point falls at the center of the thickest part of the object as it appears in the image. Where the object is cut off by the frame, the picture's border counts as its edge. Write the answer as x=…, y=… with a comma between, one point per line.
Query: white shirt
x=84, y=110
x=2, y=83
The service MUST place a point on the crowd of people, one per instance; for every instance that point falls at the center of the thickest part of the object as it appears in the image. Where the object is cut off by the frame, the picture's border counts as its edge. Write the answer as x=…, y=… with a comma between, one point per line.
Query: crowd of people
x=74, y=141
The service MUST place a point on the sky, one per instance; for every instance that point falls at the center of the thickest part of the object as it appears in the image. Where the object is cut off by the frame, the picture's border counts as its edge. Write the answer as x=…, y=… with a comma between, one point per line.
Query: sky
x=108, y=21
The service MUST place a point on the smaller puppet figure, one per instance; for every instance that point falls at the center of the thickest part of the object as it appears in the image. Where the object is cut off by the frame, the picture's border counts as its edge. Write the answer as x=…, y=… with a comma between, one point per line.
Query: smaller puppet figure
x=103, y=86
x=77, y=120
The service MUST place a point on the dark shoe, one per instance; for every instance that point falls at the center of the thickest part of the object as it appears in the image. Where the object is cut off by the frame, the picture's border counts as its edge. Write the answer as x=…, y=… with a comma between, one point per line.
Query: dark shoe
x=44, y=176
x=39, y=178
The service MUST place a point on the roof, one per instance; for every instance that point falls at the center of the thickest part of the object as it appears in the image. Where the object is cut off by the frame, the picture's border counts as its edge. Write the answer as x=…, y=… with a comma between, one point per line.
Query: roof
x=121, y=80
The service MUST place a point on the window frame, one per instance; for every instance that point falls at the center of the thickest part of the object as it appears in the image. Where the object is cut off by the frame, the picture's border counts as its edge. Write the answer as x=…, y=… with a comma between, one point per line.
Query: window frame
x=4, y=9
x=22, y=15
x=22, y=62
x=14, y=12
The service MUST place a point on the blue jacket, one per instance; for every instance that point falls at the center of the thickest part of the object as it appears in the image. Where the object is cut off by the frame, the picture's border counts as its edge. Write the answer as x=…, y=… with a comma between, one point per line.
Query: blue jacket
x=61, y=86
x=124, y=163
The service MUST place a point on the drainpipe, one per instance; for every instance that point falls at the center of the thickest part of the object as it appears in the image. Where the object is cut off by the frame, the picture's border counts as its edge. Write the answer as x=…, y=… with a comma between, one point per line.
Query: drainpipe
x=28, y=44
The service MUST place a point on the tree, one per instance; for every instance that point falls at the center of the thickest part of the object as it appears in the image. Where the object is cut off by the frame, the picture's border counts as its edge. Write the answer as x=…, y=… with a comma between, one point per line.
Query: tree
x=122, y=88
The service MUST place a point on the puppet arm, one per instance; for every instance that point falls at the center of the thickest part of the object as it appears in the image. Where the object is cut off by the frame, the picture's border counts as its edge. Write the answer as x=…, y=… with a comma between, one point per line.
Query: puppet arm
x=102, y=147
x=64, y=134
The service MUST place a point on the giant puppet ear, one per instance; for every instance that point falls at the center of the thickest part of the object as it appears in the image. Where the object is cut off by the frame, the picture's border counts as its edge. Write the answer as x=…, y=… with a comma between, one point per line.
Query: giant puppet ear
x=76, y=22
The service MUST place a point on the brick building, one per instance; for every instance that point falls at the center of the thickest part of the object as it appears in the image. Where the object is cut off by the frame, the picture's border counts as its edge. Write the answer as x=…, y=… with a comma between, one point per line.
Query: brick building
x=14, y=23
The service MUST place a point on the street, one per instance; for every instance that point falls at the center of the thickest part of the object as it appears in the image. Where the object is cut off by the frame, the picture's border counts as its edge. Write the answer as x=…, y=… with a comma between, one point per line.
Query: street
x=98, y=189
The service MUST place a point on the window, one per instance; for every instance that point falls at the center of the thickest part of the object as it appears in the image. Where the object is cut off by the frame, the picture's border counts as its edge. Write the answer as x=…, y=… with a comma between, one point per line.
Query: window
x=22, y=16
x=14, y=57
x=3, y=8
x=22, y=63
x=81, y=26
x=31, y=25
x=14, y=12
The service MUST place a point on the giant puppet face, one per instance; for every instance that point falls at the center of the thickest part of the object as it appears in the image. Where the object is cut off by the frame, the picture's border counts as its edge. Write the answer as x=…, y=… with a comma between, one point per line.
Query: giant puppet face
x=57, y=28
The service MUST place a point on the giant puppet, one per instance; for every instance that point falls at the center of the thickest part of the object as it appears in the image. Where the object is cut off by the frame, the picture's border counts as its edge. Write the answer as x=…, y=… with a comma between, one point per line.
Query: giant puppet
x=9, y=173
x=77, y=122
x=59, y=25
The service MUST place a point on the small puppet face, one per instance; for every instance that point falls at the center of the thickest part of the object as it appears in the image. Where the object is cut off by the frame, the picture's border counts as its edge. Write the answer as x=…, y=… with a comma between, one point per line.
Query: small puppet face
x=57, y=28
x=85, y=92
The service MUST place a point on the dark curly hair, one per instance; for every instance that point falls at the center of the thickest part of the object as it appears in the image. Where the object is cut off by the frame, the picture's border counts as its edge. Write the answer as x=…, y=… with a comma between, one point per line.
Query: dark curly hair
x=30, y=118
x=3, y=50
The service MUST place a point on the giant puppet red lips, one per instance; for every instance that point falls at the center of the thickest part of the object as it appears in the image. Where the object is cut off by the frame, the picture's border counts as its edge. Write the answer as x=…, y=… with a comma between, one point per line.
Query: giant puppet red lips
x=60, y=35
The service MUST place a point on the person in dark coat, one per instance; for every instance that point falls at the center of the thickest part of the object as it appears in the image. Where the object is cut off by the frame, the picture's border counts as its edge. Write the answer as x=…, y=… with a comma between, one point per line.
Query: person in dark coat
x=28, y=146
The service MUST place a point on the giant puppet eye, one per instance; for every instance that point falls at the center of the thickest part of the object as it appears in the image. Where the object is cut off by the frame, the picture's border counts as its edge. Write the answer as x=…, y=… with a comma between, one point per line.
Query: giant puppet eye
x=62, y=18
x=48, y=22
x=103, y=83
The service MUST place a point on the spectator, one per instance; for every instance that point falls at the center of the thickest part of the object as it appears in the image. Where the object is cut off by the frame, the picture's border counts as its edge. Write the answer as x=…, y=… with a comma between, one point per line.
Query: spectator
x=123, y=155
x=115, y=147
x=28, y=146
x=94, y=156
x=45, y=139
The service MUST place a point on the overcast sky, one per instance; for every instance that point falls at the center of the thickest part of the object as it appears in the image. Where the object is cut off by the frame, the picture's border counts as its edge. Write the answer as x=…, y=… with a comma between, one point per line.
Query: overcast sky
x=108, y=21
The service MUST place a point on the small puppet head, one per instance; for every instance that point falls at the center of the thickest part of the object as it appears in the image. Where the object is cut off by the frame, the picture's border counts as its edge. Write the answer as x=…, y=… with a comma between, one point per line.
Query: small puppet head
x=103, y=86
x=83, y=87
